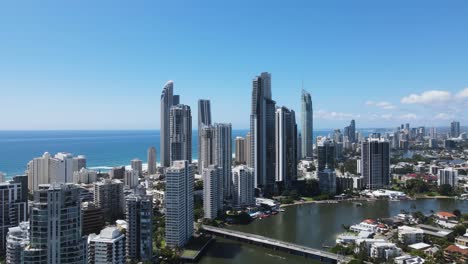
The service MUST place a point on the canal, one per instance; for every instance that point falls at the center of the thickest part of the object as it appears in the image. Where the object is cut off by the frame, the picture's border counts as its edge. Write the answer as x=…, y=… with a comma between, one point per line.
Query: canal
x=314, y=225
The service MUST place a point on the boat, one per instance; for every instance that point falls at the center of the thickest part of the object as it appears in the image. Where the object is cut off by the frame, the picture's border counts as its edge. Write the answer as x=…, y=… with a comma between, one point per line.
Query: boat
x=358, y=204
x=281, y=210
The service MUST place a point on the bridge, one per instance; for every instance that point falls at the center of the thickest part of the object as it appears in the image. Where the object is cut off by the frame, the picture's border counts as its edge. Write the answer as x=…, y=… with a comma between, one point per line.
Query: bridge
x=307, y=252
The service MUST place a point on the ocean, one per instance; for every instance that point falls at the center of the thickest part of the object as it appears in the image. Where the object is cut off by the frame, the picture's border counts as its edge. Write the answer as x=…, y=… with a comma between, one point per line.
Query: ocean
x=101, y=148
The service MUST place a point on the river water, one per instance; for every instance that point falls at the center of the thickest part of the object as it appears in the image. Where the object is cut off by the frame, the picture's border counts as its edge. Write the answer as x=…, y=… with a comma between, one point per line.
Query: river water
x=314, y=225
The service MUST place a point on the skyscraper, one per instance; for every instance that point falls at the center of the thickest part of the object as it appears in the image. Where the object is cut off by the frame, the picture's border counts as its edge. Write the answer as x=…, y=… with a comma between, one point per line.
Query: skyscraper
x=139, y=216
x=13, y=209
x=455, y=129
x=179, y=203
x=243, y=182
x=151, y=161
x=107, y=247
x=307, y=125
x=212, y=191
x=166, y=104
x=286, y=143
x=55, y=224
x=375, y=159
x=204, y=119
x=180, y=133
x=262, y=133
x=206, y=147
x=240, y=150
x=223, y=155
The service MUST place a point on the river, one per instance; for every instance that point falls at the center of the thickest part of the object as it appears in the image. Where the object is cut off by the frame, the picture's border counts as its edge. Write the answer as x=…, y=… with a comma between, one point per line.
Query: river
x=313, y=225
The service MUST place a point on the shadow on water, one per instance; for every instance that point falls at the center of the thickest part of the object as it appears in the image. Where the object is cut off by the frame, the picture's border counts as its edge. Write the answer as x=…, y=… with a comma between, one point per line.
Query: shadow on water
x=223, y=249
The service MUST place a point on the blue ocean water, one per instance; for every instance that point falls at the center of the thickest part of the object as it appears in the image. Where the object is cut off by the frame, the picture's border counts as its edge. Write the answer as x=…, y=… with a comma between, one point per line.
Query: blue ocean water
x=101, y=148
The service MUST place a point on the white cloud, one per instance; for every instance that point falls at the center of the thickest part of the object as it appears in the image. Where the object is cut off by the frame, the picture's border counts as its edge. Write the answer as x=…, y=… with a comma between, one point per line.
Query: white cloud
x=323, y=114
x=463, y=94
x=386, y=116
x=443, y=116
x=427, y=97
x=409, y=116
x=383, y=104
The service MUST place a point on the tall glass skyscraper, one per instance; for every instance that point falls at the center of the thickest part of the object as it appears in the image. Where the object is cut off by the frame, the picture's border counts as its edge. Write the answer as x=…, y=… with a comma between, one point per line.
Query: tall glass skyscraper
x=307, y=125
x=204, y=119
x=262, y=133
x=166, y=104
x=180, y=133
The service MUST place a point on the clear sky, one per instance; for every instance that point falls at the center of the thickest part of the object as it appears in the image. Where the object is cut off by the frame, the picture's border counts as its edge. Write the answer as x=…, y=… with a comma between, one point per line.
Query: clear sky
x=102, y=64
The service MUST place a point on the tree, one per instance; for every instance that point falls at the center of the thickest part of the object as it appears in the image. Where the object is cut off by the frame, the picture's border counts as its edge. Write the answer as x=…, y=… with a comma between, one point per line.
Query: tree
x=458, y=213
x=445, y=189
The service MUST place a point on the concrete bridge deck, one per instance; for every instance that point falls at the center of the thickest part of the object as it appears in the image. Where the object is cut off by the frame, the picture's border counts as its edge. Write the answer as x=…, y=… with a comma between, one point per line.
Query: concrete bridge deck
x=314, y=254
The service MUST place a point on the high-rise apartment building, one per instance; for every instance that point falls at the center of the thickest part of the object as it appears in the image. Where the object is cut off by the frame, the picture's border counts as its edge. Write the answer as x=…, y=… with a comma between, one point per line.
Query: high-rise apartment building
x=240, y=150
x=447, y=176
x=139, y=216
x=326, y=156
x=137, y=165
x=375, y=159
x=58, y=169
x=13, y=209
x=350, y=132
x=243, y=183
x=107, y=247
x=109, y=195
x=327, y=181
x=179, y=203
x=84, y=176
x=223, y=155
x=166, y=104
x=93, y=218
x=180, y=133
x=307, y=125
x=212, y=191
x=248, y=150
x=206, y=147
x=455, y=129
x=17, y=240
x=286, y=143
x=204, y=119
x=151, y=159
x=55, y=226
x=131, y=178
x=262, y=133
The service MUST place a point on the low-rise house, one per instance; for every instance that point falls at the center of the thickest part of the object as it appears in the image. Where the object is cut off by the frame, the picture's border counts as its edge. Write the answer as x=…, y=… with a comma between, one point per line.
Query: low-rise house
x=446, y=216
x=462, y=241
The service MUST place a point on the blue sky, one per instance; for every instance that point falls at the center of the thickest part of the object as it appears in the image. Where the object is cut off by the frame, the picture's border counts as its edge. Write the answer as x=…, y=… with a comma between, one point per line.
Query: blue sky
x=102, y=64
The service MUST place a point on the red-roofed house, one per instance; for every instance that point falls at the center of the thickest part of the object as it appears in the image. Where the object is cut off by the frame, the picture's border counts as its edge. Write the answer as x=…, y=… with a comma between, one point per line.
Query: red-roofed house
x=454, y=254
x=446, y=216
